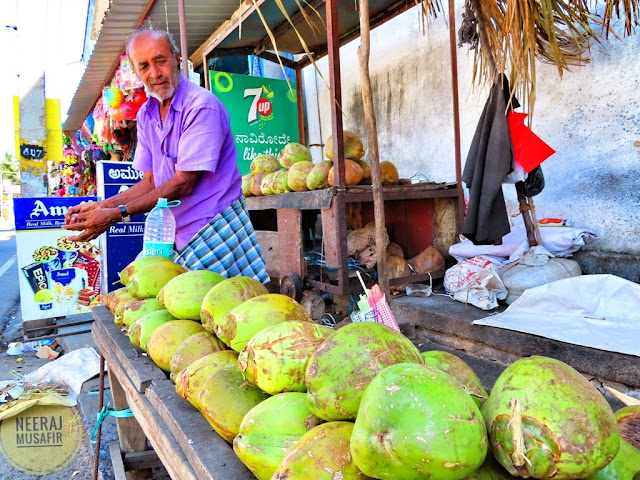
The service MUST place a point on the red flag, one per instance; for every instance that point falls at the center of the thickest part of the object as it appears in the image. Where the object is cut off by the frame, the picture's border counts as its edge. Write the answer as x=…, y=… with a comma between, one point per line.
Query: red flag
x=529, y=150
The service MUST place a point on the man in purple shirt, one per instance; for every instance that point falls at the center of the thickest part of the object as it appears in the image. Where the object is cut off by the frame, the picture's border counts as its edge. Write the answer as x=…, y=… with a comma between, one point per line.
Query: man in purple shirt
x=187, y=153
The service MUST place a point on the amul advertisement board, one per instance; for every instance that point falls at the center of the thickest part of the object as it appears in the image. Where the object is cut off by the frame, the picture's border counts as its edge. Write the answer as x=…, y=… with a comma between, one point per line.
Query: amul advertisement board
x=122, y=242
x=263, y=112
x=58, y=277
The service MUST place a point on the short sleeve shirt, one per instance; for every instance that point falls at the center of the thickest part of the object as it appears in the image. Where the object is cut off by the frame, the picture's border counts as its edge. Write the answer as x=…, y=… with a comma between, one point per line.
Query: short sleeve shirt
x=195, y=136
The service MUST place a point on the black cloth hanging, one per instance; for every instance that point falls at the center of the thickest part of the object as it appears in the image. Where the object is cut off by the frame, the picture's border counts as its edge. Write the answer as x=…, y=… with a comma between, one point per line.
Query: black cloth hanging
x=489, y=161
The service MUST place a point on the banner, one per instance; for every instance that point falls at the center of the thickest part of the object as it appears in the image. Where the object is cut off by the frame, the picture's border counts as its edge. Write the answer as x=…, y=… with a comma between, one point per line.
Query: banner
x=122, y=242
x=263, y=112
x=58, y=277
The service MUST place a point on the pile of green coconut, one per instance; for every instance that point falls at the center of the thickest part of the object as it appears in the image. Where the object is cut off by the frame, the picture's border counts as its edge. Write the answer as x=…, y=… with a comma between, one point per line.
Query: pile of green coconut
x=298, y=400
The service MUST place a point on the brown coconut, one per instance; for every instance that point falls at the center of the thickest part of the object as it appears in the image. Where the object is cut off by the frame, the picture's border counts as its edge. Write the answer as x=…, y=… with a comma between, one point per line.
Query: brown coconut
x=353, y=173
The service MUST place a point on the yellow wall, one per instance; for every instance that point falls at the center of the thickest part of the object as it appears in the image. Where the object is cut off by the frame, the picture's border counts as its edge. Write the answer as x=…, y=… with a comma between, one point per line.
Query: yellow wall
x=54, y=130
x=16, y=123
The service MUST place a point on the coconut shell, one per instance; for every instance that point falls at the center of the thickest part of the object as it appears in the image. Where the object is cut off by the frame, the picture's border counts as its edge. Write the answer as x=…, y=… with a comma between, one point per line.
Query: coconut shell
x=270, y=429
x=189, y=381
x=628, y=419
x=226, y=397
x=458, y=369
x=193, y=348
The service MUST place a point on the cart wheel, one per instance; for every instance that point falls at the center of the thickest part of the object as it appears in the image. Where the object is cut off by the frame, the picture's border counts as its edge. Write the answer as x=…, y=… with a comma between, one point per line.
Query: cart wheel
x=291, y=286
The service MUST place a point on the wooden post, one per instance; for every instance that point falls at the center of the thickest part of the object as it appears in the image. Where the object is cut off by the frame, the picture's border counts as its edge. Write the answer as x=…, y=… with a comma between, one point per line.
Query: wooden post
x=183, y=39
x=372, y=143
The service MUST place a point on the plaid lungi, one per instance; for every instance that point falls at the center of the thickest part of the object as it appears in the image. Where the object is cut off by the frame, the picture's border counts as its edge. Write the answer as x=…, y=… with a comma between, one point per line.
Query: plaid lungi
x=227, y=245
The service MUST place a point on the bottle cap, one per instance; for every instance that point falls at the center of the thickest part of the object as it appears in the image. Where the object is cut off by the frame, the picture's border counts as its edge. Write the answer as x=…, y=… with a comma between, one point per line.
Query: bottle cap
x=162, y=202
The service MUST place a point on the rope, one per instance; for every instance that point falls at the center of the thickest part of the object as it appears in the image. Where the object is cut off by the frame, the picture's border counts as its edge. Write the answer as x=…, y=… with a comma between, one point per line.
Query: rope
x=96, y=454
x=103, y=414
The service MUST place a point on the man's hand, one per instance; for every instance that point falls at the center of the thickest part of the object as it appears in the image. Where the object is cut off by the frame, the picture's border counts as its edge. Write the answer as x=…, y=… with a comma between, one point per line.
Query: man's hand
x=93, y=221
x=81, y=208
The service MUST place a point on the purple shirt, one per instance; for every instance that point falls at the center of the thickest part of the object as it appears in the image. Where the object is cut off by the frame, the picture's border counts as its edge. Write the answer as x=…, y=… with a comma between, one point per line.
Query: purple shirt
x=195, y=136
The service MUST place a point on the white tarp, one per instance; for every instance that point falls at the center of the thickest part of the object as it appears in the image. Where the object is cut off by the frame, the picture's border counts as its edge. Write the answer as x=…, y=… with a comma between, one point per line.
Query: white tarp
x=598, y=311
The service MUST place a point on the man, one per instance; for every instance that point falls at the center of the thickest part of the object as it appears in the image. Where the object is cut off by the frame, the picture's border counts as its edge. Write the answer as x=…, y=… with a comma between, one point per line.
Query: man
x=186, y=152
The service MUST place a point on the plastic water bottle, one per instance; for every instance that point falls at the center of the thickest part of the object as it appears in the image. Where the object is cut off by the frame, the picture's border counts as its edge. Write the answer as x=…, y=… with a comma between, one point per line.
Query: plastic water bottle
x=159, y=231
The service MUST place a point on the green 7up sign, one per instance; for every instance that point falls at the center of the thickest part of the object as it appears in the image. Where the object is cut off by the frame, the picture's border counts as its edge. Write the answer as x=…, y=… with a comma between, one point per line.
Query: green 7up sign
x=263, y=112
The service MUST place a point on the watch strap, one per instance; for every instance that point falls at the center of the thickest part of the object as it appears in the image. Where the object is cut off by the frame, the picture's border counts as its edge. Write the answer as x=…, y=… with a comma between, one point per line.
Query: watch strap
x=125, y=215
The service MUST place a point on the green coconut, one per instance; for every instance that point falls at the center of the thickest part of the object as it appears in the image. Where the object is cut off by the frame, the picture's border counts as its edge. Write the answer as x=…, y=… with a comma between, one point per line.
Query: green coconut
x=293, y=153
x=264, y=163
x=246, y=185
x=266, y=187
x=321, y=454
x=628, y=419
x=189, y=381
x=140, y=330
x=353, y=148
x=544, y=410
x=318, y=177
x=227, y=295
x=122, y=299
x=458, y=369
x=276, y=357
x=149, y=280
x=193, y=348
x=297, y=177
x=126, y=274
x=366, y=172
x=110, y=297
x=625, y=465
x=270, y=429
x=166, y=339
x=226, y=397
x=490, y=470
x=238, y=326
x=425, y=411
x=280, y=182
x=341, y=368
x=183, y=295
x=138, y=309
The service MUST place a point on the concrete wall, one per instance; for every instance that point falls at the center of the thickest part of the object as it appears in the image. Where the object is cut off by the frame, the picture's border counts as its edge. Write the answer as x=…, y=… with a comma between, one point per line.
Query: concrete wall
x=591, y=117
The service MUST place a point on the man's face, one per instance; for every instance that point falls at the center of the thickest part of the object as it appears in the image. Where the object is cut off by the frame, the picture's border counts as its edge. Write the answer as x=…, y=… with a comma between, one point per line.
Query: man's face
x=150, y=54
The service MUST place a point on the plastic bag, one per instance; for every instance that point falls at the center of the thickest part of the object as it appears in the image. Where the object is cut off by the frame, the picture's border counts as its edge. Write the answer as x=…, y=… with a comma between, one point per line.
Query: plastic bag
x=533, y=184
x=475, y=281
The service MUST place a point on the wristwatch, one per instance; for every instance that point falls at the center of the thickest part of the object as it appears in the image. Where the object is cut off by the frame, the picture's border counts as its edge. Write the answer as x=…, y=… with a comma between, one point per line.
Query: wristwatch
x=125, y=215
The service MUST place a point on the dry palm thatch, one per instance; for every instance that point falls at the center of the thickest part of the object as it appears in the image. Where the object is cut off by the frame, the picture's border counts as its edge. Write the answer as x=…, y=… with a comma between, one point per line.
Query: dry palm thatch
x=510, y=35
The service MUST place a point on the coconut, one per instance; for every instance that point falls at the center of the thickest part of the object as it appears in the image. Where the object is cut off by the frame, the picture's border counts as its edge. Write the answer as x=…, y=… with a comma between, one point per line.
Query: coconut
x=225, y=399
x=126, y=274
x=140, y=330
x=353, y=173
x=246, y=185
x=366, y=170
x=121, y=299
x=628, y=419
x=276, y=357
x=110, y=297
x=293, y=153
x=297, y=177
x=183, y=295
x=266, y=187
x=427, y=412
x=458, y=369
x=138, y=309
x=238, y=326
x=256, y=183
x=321, y=454
x=270, y=429
x=189, y=381
x=280, y=182
x=193, y=348
x=227, y=295
x=342, y=367
x=353, y=147
x=388, y=173
x=118, y=307
x=540, y=413
x=264, y=163
x=166, y=339
x=149, y=280
x=490, y=470
x=318, y=177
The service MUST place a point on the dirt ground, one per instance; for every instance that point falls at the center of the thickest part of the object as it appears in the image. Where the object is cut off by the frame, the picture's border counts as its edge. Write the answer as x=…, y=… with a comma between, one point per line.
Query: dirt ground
x=81, y=467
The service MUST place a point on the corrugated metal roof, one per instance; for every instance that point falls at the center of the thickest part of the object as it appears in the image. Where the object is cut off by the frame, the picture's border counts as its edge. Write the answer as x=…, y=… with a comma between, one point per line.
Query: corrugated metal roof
x=203, y=17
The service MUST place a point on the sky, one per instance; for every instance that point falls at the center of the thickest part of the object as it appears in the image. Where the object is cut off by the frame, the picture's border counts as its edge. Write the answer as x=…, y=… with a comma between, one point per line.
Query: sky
x=52, y=33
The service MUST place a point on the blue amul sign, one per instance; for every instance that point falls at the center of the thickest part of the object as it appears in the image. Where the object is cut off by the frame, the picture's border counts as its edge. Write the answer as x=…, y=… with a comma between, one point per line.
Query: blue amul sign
x=44, y=213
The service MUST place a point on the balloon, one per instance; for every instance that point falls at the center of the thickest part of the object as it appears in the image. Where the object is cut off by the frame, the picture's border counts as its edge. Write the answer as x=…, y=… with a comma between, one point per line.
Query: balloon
x=139, y=97
x=128, y=110
x=116, y=115
x=114, y=97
